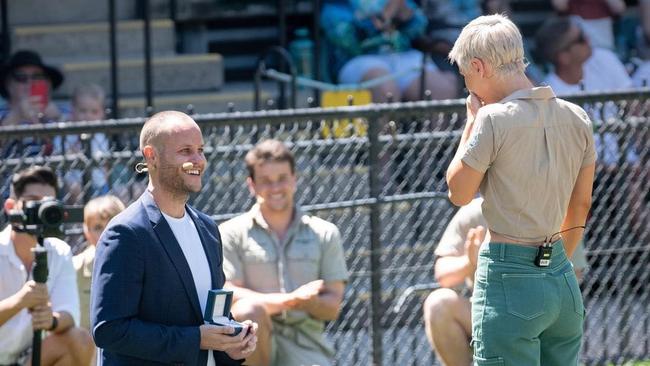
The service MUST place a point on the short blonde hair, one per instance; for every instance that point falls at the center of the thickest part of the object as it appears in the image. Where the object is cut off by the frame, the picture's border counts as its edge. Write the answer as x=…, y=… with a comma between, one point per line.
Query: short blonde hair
x=103, y=208
x=492, y=38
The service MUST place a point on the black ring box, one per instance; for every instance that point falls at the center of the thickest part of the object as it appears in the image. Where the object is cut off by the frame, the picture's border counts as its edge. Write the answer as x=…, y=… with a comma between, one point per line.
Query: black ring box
x=217, y=310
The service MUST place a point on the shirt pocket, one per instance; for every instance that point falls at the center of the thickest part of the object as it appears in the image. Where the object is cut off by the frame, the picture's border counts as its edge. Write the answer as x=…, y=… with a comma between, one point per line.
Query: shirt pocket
x=304, y=260
x=259, y=252
x=304, y=251
x=260, y=265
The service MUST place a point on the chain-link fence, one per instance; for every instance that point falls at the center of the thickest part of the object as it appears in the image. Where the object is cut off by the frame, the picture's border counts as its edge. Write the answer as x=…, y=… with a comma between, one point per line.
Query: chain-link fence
x=377, y=172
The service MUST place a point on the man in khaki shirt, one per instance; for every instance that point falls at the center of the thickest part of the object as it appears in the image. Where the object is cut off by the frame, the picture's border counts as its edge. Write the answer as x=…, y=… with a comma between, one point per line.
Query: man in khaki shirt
x=287, y=268
x=532, y=156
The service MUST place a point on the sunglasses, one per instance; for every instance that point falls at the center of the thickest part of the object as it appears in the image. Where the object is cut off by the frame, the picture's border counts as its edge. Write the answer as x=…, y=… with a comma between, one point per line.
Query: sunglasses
x=23, y=77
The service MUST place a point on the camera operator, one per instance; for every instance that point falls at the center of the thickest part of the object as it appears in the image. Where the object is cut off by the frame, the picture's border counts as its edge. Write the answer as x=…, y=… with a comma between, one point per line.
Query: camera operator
x=26, y=306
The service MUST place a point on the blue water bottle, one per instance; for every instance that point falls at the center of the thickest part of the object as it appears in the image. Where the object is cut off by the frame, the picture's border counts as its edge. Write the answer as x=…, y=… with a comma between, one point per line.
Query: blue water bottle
x=302, y=52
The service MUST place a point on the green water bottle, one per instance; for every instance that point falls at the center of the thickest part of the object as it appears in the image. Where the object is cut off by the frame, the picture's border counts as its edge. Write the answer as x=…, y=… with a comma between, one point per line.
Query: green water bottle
x=302, y=52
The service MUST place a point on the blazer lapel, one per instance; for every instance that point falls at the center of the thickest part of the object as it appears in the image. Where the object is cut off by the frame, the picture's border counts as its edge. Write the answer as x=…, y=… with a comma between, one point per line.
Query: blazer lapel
x=209, y=247
x=174, y=251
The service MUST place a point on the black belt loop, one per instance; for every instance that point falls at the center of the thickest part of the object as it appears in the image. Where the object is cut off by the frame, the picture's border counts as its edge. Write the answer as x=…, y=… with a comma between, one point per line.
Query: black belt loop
x=502, y=252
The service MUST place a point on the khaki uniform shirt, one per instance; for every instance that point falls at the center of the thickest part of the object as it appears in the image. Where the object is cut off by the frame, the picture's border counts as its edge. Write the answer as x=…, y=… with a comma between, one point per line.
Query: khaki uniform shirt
x=531, y=147
x=311, y=250
x=83, y=265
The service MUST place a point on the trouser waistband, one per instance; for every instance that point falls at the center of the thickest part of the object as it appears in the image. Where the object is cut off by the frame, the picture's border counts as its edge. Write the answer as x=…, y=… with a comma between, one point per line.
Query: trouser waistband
x=520, y=253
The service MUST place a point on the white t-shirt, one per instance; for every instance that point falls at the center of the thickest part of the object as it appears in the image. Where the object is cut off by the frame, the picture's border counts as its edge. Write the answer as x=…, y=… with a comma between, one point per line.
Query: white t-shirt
x=600, y=31
x=188, y=238
x=17, y=333
x=603, y=71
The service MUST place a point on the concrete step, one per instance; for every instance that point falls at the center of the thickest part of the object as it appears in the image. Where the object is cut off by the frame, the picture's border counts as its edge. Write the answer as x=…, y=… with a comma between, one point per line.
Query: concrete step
x=182, y=73
x=240, y=94
x=90, y=41
x=210, y=9
x=205, y=102
x=74, y=11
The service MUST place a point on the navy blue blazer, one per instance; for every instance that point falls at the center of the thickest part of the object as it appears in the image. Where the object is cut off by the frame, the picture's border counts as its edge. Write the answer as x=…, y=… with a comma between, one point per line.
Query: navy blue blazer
x=144, y=307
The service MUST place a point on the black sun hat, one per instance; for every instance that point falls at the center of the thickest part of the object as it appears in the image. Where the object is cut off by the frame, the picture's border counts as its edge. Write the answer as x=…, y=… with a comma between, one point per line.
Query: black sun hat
x=28, y=58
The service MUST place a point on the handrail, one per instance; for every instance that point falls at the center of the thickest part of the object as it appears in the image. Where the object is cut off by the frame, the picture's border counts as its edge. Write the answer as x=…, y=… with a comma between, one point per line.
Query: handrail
x=317, y=46
x=321, y=85
x=260, y=70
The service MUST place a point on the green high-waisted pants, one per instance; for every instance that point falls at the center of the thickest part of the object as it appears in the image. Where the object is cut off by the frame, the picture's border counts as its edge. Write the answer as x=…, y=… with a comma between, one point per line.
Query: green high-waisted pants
x=524, y=315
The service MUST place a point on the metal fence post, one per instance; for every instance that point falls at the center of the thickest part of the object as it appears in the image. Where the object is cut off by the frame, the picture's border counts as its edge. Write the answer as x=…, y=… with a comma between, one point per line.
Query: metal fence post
x=112, y=40
x=317, y=48
x=6, y=37
x=282, y=39
x=148, y=72
x=374, y=176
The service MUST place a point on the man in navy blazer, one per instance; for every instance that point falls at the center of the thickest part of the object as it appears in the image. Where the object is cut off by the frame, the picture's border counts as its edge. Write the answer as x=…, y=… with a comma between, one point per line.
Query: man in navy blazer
x=156, y=261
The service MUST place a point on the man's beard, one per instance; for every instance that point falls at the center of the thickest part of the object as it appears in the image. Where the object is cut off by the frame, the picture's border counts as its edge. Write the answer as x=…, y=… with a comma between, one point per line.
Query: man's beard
x=172, y=181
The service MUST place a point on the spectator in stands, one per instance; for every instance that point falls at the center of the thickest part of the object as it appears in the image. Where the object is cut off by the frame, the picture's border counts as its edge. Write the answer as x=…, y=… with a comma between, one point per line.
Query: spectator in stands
x=25, y=305
x=97, y=213
x=577, y=65
x=446, y=18
x=580, y=67
x=445, y=21
x=287, y=268
x=374, y=39
x=447, y=311
x=88, y=104
x=496, y=7
x=26, y=82
x=595, y=17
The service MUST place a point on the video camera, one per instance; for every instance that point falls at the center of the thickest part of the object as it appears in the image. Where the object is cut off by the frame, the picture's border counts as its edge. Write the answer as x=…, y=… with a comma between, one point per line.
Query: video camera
x=45, y=217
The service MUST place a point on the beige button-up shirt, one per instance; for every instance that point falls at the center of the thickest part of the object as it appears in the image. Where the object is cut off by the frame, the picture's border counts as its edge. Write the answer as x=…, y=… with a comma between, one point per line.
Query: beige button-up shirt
x=531, y=146
x=256, y=257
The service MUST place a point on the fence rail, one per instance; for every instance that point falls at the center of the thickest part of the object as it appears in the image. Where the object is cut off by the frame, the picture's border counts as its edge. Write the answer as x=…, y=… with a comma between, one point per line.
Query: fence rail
x=377, y=172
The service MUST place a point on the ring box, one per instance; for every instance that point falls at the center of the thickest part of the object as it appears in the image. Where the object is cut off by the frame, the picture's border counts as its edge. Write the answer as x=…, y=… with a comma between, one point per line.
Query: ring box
x=217, y=310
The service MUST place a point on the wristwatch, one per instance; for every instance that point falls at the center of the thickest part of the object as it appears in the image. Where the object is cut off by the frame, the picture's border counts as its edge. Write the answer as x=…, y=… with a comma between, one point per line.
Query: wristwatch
x=55, y=323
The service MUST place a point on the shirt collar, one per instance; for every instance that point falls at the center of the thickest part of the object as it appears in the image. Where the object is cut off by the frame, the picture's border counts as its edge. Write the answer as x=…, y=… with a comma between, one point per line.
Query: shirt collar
x=6, y=245
x=7, y=249
x=539, y=92
x=257, y=217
